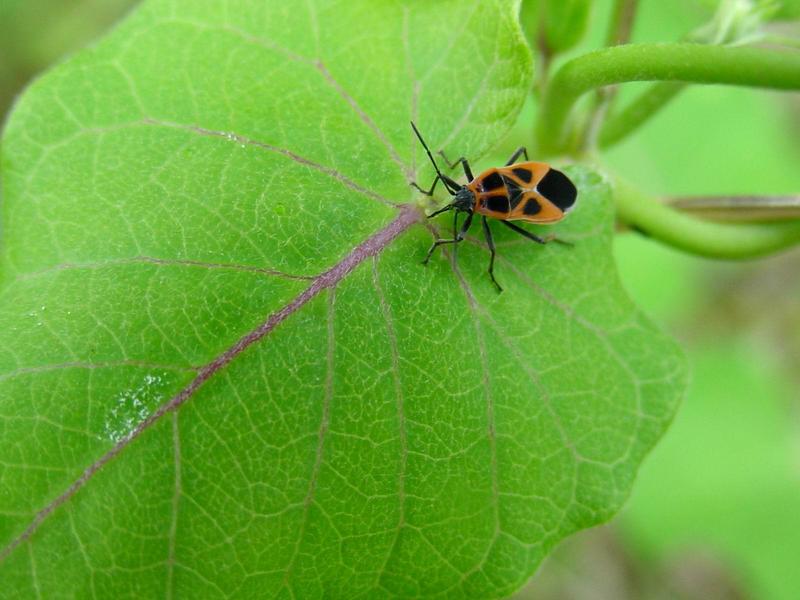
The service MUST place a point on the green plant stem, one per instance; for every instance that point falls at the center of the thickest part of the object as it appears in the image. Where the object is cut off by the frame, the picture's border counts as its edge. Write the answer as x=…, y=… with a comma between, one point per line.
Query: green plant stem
x=619, y=32
x=685, y=62
x=620, y=124
x=782, y=40
x=740, y=208
x=623, y=16
x=704, y=238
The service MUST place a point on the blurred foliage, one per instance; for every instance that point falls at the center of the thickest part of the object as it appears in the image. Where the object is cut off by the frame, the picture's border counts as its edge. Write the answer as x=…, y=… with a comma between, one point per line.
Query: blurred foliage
x=714, y=514
x=37, y=33
x=714, y=511
x=787, y=9
x=565, y=22
x=725, y=477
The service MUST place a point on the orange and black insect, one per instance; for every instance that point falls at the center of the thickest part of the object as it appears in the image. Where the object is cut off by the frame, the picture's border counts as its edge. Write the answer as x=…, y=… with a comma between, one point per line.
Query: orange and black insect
x=525, y=191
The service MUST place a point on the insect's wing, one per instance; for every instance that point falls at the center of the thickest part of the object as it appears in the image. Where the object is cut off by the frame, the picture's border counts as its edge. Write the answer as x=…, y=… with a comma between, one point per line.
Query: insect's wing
x=535, y=208
x=547, y=194
x=526, y=175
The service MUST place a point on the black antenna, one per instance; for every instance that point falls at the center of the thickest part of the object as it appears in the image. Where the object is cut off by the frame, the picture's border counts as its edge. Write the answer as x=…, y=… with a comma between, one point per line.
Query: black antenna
x=424, y=145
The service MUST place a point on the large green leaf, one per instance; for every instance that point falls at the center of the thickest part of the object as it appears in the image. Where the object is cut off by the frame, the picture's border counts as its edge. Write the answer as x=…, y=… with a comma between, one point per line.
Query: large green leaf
x=223, y=369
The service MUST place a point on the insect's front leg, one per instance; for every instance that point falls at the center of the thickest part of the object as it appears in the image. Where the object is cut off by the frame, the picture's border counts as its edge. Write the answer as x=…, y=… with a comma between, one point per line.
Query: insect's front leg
x=517, y=153
x=456, y=239
x=464, y=163
x=451, y=185
x=426, y=192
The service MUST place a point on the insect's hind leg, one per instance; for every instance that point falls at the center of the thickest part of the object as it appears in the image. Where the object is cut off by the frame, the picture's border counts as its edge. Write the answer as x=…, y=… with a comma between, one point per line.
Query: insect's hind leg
x=534, y=237
x=458, y=237
x=522, y=150
x=487, y=233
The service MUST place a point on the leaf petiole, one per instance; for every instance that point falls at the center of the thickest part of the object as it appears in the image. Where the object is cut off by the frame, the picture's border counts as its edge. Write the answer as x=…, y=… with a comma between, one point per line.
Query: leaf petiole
x=678, y=62
x=733, y=241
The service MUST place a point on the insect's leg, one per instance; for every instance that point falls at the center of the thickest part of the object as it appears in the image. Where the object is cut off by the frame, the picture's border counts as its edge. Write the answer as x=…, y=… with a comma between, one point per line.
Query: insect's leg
x=527, y=234
x=464, y=163
x=467, y=170
x=535, y=238
x=458, y=237
x=455, y=232
x=522, y=150
x=440, y=211
x=428, y=192
x=452, y=186
x=487, y=233
x=553, y=238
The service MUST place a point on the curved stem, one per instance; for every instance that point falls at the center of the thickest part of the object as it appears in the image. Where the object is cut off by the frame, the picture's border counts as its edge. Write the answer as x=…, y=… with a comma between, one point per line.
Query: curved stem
x=704, y=238
x=623, y=122
x=692, y=63
x=619, y=32
x=751, y=209
x=783, y=40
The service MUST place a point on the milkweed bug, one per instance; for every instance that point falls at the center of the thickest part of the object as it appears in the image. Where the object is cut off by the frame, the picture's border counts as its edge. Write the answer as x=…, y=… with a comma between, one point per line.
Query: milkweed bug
x=525, y=191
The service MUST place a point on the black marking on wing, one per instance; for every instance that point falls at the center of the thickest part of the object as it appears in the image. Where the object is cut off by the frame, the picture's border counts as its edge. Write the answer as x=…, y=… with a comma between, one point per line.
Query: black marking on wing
x=492, y=182
x=524, y=174
x=497, y=204
x=532, y=207
x=557, y=187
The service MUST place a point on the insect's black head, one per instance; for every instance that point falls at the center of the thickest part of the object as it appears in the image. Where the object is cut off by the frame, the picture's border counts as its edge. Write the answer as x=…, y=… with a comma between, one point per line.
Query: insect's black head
x=463, y=199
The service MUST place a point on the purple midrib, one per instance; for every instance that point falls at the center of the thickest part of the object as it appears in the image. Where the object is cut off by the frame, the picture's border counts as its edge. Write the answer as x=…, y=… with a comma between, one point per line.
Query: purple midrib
x=370, y=247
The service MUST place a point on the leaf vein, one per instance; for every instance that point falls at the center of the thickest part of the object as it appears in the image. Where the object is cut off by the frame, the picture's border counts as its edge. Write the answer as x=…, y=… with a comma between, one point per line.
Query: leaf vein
x=98, y=365
x=323, y=430
x=401, y=423
x=176, y=495
x=240, y=139
x=407, y=217
x=363, y=116
x=143, y=259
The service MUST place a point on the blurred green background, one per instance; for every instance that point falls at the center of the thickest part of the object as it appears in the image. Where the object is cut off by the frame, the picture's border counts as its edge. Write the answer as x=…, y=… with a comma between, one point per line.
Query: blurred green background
x=716, y=511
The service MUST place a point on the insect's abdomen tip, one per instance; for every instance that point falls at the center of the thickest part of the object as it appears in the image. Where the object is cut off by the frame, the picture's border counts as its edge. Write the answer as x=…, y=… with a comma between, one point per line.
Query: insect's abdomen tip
x=559, y=189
